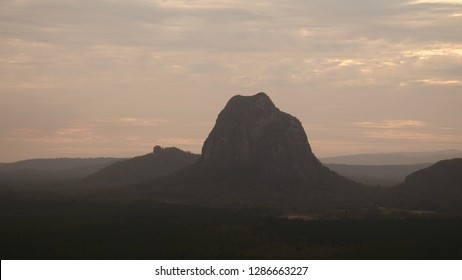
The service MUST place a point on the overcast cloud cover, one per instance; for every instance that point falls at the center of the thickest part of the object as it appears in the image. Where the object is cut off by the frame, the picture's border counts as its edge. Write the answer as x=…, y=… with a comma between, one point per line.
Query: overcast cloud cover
x=116, y=77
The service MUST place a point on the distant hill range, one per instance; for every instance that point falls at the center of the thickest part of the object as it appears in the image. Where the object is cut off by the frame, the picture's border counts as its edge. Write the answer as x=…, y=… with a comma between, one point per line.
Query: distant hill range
x=34, y=170
x=403, y=158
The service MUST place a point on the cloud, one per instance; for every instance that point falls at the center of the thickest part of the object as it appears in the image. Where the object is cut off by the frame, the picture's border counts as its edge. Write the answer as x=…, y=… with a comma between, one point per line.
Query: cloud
x=202, y=4
x=409, y=131
x=414, y=136
x=459, y=2
x=348, y=62
x=140, y=122
x=392, y=124
x=437, y=82
x=67, y=135
x=435, y=51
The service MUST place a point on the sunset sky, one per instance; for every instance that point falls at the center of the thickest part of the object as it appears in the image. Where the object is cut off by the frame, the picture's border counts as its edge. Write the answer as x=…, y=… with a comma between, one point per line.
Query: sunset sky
x=116, y=77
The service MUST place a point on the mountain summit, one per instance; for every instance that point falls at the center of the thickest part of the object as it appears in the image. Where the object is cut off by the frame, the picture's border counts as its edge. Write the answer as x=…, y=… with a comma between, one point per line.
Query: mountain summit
x=254, y=135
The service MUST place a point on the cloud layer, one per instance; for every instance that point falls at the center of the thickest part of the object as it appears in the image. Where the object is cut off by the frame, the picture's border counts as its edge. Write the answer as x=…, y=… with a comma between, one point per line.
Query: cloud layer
x=348, y=69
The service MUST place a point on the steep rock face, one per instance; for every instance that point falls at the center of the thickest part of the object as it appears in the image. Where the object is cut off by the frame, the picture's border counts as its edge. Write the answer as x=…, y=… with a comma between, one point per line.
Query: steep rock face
x=252, y=133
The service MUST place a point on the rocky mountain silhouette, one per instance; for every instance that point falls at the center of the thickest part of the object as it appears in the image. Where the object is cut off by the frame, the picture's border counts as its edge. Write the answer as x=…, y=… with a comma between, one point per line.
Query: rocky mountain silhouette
x=258, y=155
x=252, y=134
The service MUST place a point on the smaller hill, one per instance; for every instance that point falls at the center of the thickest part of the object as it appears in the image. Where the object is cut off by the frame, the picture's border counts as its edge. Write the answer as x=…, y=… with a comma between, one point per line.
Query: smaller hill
x=438, y=187
x=446, y=173
x=161, y=162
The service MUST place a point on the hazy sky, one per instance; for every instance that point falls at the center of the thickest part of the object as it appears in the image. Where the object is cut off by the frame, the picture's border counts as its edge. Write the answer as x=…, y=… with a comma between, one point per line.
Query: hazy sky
x=116, y=77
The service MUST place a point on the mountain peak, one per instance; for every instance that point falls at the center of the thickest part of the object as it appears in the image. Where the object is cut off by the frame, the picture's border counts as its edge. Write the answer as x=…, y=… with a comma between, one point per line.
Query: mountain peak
x=251, y=133
x=260, y=99
x=240, y=106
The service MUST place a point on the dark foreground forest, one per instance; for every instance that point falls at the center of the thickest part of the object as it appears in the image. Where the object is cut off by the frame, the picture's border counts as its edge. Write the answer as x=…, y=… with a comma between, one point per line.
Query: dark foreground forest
x=41, y=229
